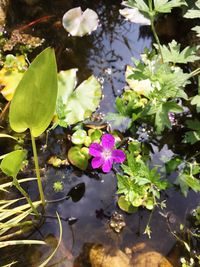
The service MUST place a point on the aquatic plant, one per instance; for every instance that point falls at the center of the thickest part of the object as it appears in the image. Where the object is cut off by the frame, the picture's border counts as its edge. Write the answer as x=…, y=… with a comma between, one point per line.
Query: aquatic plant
x=104, y=154
x=75, y=104
x=34, y=101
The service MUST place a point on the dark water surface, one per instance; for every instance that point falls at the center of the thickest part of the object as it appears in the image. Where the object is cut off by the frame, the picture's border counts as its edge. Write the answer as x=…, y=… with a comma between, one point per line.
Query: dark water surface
x=104, y=53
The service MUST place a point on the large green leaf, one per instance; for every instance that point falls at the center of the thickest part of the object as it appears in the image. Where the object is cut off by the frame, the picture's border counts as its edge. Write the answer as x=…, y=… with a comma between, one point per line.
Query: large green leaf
x=78, y=103
x=33, y=103
x=12, y=162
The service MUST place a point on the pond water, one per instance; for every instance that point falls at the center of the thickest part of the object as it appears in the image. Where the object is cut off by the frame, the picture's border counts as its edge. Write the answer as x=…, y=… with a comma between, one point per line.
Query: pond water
x=86, y=214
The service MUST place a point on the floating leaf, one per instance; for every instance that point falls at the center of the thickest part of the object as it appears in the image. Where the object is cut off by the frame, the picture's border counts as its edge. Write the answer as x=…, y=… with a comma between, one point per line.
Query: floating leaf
x=79, y=23
x=78, y=157
x=78, y=137
x=126, y=205
x=80, y=102
x=33, y=104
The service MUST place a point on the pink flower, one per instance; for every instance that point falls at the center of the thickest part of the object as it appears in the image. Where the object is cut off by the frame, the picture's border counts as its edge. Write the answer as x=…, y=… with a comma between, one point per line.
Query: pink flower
x=104, y=154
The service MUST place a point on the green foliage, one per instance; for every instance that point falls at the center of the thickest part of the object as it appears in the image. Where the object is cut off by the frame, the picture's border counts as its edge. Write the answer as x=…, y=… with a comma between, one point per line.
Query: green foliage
x=174, y=55
x=186, y=181
x=154, y=90
x=193, y=12
x=192, y=136
x=165, y=6
x=196, y=214
x=162, y=117
x=12, y=162
x=139, y=185
x=156, y=6
x=76, y=104
x=196, y=101
x=78, y=156
x=78, y=137
x=172, y=164
x=33, y=104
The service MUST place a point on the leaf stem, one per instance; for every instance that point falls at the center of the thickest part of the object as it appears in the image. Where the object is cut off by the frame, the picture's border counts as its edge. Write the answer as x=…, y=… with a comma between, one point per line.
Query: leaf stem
x=23, y=192
x=37, y=170
x=152, y=16
x=195, y=72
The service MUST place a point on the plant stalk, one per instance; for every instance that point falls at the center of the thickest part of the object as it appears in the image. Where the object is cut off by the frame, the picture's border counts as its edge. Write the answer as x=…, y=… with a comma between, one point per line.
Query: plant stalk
x=23, y=192
x=151, y=14
x=37, y=170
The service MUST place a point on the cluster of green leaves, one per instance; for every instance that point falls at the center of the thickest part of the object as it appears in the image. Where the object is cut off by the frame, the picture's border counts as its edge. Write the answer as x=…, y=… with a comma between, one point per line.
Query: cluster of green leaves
x=155, y=88
x=78, y=154
x=139, y=185
x=187, y=174
x=154, y=7
x=194, y=13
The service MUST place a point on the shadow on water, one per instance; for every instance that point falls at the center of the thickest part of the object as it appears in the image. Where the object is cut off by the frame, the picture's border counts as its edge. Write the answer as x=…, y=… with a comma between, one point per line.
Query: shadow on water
x=89, y=198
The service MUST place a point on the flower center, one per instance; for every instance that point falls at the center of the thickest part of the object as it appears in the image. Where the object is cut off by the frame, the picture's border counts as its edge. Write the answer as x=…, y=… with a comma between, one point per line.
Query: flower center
x=107, y=153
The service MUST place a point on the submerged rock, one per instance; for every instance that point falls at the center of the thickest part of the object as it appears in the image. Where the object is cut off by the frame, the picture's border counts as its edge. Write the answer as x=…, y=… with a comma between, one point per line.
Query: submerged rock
x=150, y=259
x=100, y=256
x=97, y=255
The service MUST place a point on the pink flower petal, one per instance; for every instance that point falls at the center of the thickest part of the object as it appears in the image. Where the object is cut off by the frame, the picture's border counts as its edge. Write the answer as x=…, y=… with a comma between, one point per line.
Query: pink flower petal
x=108, y=141
x=107, y=165
x=118, y=156
x=95, y=150
x=96, y=162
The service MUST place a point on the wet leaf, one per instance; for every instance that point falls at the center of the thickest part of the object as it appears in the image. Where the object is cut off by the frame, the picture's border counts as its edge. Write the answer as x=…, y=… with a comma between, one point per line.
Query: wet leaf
x=78, y=137
x=79, y=23
x=33, y=104
x=77, y=192
x=78, y=157
x=126, y=205
x=80, y=102
x=12, y=162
